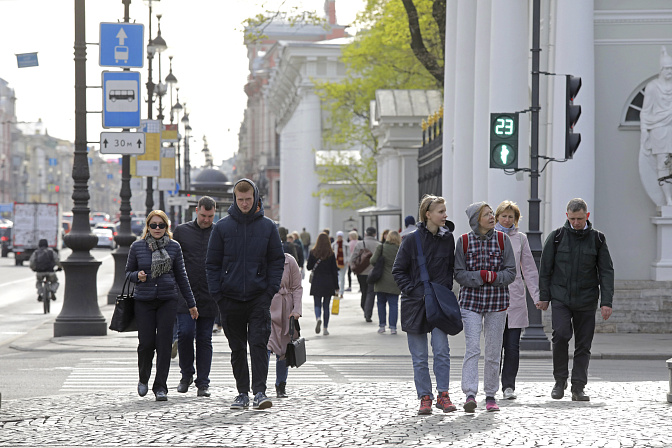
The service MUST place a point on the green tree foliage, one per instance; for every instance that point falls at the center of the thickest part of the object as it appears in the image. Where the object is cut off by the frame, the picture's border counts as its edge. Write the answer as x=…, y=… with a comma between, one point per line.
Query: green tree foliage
x=380, y=57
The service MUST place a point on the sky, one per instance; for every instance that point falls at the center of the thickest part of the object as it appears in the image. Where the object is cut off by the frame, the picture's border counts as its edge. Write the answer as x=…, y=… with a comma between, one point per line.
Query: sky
x=204, y=37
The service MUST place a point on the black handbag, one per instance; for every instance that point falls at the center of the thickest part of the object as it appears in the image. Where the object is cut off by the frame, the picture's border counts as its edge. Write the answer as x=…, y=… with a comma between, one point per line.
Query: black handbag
x=377, y=271
x=441, y=306
x=123, y=318
x=295, y=355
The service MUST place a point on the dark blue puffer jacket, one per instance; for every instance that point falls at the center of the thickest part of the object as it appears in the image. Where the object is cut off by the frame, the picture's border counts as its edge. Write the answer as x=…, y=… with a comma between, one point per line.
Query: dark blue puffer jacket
x=165, y=286
x=245, y=258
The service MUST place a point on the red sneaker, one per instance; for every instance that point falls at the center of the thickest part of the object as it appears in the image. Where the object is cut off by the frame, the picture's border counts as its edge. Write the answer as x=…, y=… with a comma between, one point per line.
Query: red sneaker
x=491, y=405
x=425, y=405
x=443, y=402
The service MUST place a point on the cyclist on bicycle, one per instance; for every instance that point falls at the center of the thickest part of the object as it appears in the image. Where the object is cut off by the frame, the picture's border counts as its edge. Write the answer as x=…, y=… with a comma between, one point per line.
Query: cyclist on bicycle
x=42, y=261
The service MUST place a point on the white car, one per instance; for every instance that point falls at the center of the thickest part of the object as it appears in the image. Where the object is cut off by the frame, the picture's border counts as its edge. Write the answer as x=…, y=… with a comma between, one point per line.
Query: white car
x=105, y=238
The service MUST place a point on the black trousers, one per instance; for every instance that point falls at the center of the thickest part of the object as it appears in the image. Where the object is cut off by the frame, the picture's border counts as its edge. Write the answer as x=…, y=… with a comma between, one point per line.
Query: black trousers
x=248, y=323
x=368, y=296
x=155, y=319
x=582, y=324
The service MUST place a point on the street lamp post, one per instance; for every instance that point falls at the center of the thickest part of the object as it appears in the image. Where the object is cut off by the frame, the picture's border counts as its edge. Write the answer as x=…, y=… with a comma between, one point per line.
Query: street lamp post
x=187, y=164
x=160, y=46
x=151, y=49
x=80, y=314
x=171, y=80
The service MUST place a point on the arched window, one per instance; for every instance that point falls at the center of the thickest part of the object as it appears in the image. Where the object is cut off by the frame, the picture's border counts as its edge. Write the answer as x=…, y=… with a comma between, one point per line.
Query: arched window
x=630, y=115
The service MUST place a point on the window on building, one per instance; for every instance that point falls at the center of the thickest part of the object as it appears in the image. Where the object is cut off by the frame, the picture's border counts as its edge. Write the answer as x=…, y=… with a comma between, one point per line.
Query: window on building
x=630, y=115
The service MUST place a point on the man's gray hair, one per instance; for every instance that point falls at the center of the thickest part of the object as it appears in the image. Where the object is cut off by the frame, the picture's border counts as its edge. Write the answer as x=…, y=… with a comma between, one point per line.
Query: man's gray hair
x=576, y=205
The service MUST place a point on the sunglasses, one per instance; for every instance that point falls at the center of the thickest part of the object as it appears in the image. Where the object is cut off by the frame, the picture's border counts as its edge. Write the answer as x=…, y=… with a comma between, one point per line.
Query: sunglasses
x=161, y=225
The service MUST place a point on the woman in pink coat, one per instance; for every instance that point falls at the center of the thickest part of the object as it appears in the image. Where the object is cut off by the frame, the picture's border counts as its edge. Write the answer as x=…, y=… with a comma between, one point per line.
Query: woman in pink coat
x=286, y=303
x=507, y=217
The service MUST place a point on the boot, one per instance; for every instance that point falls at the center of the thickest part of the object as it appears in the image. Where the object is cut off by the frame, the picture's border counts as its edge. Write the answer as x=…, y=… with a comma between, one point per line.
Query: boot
x=280, y=390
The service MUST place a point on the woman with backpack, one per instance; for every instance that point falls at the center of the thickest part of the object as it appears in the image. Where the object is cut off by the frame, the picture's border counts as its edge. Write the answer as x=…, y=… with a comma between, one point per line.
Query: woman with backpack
x=387, y=291
x=484, y=268
x=438, y=247
x=323, y=279
x=507, y=217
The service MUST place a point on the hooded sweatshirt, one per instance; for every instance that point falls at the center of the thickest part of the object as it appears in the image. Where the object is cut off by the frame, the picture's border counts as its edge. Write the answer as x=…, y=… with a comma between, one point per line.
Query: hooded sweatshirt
x=245, y=258
x=483, y=253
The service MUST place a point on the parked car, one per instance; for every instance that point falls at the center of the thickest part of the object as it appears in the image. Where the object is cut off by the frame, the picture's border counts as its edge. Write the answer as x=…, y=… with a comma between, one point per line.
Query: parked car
x=105, y=238
x=5, y=238
x=108, y=225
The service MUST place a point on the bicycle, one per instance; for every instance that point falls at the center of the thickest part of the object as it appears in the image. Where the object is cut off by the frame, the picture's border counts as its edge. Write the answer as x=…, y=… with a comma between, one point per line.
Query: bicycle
x=46, y=291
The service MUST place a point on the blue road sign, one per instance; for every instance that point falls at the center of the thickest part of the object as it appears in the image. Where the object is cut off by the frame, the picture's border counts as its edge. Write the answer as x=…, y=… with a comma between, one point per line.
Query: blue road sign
x=121, y=99
x=27, y=60
x=121, y=44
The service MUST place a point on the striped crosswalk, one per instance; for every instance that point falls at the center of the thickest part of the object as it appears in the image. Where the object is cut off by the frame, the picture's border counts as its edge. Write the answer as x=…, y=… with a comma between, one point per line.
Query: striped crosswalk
x=106, y=373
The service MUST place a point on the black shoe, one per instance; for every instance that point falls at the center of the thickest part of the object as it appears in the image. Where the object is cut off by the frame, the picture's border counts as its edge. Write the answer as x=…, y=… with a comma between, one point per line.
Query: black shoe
x=578, y=395
x=559, y=390
x=183, y=387
x=280, y=390
x=203, y=391
x=142, y=389
x=368, y=319
x=161, y=396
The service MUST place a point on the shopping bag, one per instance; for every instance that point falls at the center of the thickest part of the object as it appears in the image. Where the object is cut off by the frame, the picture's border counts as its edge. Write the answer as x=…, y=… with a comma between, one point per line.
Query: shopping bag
x=295, y=355
x=335, y=305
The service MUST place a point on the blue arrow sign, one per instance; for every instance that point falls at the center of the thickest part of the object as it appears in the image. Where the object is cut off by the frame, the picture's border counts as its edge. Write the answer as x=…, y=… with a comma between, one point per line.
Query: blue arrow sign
x=121, y=44
x=121, y=99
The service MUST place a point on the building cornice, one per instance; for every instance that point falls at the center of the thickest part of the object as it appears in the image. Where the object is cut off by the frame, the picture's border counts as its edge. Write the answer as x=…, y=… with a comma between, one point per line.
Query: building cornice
x=628, y=17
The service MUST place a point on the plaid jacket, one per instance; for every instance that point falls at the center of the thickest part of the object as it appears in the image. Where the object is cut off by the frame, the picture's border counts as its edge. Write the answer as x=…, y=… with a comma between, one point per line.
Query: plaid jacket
x=483, y=254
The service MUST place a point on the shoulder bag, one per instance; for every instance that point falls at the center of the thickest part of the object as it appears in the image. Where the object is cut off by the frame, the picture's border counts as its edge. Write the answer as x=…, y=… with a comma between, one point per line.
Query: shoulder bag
x=295, y=354
x=441, y=306
x=377, y=271
x=123, y=318
x=310, y=278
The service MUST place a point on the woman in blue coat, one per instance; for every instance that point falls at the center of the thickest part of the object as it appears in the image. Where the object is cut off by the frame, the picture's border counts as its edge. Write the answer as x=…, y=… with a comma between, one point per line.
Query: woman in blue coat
x=156, y=265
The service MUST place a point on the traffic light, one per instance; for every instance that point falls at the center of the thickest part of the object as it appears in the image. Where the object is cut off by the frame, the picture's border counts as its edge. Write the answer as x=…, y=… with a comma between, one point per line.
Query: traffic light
x=572, y=114
x=504, y=140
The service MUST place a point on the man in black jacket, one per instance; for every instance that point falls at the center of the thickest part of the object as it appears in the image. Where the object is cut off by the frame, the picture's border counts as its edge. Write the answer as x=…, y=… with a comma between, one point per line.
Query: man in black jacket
x=244, y=266
x=193, y=236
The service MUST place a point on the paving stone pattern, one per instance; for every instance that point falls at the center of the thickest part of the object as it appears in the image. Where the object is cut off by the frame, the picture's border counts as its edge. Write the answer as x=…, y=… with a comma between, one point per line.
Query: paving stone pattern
x=343, y=415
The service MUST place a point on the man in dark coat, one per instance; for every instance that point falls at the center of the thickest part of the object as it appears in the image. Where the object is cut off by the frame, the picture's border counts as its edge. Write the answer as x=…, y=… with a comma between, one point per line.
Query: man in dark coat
x=575, y=271
x=194, y=236
x=244, y=266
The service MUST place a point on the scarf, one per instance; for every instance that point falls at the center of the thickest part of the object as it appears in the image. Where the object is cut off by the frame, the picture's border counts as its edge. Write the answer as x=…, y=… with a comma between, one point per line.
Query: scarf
x=161, y=262
x=501, y=228
x=340, y=262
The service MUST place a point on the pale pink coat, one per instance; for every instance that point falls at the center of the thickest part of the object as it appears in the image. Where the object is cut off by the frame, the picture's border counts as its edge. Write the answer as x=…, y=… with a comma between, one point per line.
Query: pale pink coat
x=517, y=311
x=285, y=302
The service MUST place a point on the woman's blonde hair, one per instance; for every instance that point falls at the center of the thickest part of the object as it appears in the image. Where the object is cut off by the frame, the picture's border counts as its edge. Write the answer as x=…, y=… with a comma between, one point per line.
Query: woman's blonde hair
x=394, y=238
x=427, y=204
x=353, y=235
x=161, y=214
x=508, y=205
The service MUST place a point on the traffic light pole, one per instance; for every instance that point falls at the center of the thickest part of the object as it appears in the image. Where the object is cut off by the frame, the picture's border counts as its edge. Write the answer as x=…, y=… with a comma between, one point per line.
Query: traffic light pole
x=534, y=337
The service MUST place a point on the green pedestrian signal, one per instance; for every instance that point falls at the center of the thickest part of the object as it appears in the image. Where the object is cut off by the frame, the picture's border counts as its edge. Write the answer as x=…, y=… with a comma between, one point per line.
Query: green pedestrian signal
x=504, y=140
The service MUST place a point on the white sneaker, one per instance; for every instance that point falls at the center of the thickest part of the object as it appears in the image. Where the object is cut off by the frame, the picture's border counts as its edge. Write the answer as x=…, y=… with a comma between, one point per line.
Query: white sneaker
x=509, y=394
x=325, y=331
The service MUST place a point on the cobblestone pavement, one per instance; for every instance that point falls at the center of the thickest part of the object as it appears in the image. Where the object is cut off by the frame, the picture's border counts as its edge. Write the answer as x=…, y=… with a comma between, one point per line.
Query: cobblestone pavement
x=351, y=415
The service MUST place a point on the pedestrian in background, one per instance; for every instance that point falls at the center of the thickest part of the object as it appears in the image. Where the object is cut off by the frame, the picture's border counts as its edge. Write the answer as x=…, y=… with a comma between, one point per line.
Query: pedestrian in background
x=352, y=242
x=286, y=304
x=386, y=288
x=299, y=249
x=383, y=238
x=287, y=246
x=575, y=272
x=342, y=252
x=244, y=265
x=322, y=261
x=484, y=271
x=438, y=247
x=368, y=295
x=507, y=216
x=155, y=263
x=409, y=222
x=305, y=240
x=193, y=237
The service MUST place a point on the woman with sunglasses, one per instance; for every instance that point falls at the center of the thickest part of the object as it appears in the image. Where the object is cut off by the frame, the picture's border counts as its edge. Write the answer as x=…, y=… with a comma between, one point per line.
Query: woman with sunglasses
x=156, y=265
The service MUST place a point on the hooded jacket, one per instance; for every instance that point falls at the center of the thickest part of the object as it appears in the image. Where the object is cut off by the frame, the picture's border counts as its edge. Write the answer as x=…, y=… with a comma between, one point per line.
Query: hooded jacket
x=471, y=280
x=245, y=258
x=577, y=272
x=439, y=251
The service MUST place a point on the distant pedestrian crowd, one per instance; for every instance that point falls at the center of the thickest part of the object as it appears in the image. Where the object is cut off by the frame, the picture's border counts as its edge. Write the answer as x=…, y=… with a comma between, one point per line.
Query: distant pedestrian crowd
x=243, y=275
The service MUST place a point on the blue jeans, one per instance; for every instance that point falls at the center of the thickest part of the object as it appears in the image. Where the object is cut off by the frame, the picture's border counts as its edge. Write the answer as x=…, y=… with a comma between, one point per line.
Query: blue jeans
x=341, y=279
x=322, y=303
x=393, y=301
x=417, y=345
x=200, y=329
x=281, y=369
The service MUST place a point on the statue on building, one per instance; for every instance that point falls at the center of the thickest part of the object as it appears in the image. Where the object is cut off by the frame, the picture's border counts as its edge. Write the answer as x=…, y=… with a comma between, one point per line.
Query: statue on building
x=656, y=127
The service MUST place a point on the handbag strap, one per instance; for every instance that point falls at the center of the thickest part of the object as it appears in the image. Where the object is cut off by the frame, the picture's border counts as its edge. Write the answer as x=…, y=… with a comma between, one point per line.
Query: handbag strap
x=128, y=282
x=424, y=275
x=291, y=328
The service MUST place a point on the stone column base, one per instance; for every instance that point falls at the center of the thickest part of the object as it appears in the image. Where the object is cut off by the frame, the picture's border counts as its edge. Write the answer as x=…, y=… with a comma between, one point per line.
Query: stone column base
x=661, y=269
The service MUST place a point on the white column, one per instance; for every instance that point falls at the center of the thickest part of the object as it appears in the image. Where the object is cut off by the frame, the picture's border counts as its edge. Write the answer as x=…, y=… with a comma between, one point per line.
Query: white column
x=408, y=169
x=509, y=92
x=391, y=190
x=300, y=136
x=463, y=113
x=448, y=107
x=575, y=54
x=482, y=74
x=325, y=218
